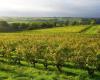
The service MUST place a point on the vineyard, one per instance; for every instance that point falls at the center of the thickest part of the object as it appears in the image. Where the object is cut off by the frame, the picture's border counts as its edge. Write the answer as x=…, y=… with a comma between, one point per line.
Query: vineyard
x=63, y=53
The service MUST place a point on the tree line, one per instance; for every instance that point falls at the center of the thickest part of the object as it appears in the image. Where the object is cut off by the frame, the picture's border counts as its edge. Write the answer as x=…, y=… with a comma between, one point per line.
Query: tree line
x=18, y=26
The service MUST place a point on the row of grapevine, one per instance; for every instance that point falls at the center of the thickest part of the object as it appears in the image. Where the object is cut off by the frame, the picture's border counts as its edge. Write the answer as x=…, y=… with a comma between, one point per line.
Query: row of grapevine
x=84, y=52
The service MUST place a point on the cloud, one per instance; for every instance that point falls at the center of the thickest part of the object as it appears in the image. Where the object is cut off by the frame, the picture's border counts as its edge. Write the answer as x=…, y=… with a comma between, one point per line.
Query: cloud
x=68, y=8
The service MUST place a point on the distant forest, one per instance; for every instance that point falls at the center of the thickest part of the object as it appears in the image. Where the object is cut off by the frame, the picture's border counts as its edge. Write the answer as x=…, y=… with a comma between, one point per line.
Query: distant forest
x=26, y=23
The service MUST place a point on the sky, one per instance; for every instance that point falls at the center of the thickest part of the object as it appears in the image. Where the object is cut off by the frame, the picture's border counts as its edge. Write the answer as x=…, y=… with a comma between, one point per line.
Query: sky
x=50, y=8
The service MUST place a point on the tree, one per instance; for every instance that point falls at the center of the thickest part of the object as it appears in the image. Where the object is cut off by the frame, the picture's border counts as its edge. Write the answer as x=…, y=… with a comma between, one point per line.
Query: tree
x=80, y=22
x=4, y=26
x=92, y=21
x=15, y=26
x=66, y=22
x=23, y=26
x=4, y=23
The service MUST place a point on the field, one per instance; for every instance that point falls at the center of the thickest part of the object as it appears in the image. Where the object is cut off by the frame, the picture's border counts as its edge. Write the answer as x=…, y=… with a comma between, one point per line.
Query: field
x=62, y=53
x=93, y=30
x=66, y=29
x=86, y=29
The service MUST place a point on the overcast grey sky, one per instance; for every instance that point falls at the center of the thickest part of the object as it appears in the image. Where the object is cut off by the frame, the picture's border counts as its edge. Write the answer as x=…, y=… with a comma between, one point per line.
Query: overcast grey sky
x=50, y=8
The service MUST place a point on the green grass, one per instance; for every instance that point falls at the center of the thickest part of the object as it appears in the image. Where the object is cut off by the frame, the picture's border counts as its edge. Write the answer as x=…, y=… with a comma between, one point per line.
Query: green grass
x=93, y=30
x=66, y=29
x=26, y=71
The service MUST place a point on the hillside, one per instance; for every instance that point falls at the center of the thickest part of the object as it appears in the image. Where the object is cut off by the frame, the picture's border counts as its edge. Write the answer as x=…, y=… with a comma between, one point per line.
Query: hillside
x=66, y=29
x=84, y=29
x=35, y=54
x=93, y=30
